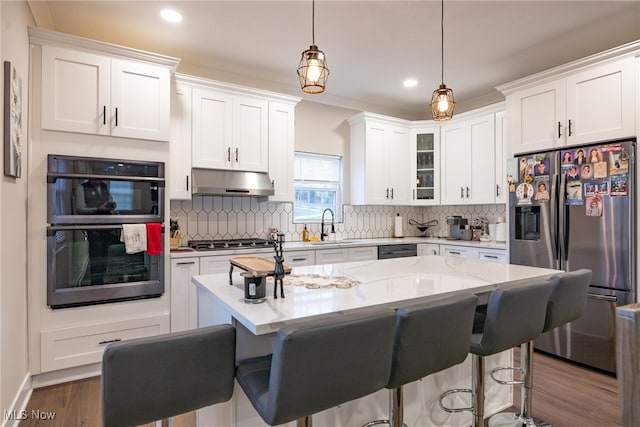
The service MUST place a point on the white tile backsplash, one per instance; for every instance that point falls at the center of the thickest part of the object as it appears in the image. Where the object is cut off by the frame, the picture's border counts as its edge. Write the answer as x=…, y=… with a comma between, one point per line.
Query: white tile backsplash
x=217, y=217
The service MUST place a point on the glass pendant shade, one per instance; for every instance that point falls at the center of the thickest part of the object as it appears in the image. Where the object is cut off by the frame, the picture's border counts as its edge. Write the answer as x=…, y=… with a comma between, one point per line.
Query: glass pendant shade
x=442, y=103
x=312, y=70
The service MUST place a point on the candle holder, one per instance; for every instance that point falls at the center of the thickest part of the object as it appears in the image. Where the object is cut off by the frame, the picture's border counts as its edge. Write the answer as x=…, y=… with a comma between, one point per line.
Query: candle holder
x=278, y=271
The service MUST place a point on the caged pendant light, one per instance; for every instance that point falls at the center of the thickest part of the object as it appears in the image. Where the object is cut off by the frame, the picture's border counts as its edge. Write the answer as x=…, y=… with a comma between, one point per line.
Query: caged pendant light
x=312, y=70
x=442, y=102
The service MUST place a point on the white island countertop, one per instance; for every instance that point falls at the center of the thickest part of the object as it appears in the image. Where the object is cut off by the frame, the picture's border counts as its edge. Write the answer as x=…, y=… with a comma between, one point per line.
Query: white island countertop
x=390, y=282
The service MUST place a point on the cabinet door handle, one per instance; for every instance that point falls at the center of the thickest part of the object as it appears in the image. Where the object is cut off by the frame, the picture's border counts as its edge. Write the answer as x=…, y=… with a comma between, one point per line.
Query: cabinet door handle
x=116, y=116
x=236, y=155
x=109, y=341
x=467, y=192
x=392, y=193
x=454, y=253
x=185, y=263
x=387, y=193
x=104, y=114
x=228, y=154
x=187, y=182
x=298, y=259
x=491, y=256
x=462, y=192
x=497, y=190
x=559, y=127
x=570, y=128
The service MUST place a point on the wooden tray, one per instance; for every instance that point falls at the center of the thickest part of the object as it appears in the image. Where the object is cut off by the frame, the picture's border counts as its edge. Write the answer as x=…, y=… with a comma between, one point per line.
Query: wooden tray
x=257, y=266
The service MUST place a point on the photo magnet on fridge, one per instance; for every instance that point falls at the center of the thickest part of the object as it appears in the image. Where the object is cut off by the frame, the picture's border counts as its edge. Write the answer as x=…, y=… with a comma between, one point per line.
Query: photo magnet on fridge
x=619, y=186
x=594, y=206
x=574, y=193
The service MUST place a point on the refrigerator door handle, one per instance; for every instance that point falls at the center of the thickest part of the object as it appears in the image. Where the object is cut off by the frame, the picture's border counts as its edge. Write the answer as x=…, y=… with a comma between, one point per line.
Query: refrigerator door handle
x=563, y=232
x=554, y=212
x=608, y=298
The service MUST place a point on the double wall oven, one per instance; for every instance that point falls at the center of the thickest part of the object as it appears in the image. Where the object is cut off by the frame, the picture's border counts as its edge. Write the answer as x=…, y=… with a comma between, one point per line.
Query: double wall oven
x=88, y=201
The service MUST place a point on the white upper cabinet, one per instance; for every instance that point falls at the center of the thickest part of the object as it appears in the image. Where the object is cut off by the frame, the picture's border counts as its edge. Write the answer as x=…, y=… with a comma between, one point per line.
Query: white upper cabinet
x=581, y=104
x=379, y=160
x=229, y=131
x=220, y=126
x=180, y=143
x=501, y=185
x=424, y=148
x=468, y=160
x=281, y=150
x=601, y=103
x=97, y=94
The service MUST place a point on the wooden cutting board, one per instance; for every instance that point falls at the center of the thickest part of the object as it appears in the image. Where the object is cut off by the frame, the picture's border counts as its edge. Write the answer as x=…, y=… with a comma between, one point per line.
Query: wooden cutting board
x=256, y=265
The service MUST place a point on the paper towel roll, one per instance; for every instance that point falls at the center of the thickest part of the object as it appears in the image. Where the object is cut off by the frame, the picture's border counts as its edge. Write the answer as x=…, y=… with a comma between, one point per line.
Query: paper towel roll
x=397, y=227
x=501, y=230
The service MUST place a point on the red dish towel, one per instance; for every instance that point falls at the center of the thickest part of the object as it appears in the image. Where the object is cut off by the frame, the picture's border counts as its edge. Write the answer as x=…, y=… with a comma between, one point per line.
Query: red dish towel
x=154, y=238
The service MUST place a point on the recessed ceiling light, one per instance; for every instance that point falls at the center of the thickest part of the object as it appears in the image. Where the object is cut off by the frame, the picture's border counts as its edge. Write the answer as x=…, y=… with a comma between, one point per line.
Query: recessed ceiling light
x=410, y=83
x=171, y=15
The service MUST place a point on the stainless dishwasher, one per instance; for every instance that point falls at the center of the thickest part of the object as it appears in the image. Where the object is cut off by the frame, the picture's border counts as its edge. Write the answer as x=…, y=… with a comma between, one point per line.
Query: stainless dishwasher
x=397, y=251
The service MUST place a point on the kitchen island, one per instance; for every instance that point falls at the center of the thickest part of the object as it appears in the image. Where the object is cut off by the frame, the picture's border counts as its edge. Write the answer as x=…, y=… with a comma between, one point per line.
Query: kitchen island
x=316, y=290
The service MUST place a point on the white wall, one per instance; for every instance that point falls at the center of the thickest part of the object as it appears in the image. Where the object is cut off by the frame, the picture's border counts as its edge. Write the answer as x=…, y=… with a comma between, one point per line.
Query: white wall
x=14, y=368
x=323, y=129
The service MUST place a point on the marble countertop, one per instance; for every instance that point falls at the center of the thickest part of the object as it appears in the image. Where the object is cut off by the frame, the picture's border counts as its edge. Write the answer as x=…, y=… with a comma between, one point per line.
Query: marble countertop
x=390, y=282
x=346, y=243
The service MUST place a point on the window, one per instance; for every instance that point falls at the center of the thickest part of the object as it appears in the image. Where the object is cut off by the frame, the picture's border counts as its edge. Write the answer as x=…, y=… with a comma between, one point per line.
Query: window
x=318, y=186
x=122, y=193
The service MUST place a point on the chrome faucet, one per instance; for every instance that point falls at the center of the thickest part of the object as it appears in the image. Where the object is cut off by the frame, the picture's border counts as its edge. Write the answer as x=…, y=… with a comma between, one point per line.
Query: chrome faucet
x=333, y=229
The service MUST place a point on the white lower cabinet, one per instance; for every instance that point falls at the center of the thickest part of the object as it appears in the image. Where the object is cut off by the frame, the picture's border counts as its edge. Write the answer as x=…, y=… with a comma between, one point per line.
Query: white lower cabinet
x=425, y=249
x=331, y=256
x=83, y=345
x=458, y=251
x=183, y=293
x=299, y=258
x=339, y=255
x=362, y=253
x=488, y=255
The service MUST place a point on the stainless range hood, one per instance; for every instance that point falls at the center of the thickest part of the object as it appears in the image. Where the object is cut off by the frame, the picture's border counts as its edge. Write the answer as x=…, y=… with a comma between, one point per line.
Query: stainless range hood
x=217, y=182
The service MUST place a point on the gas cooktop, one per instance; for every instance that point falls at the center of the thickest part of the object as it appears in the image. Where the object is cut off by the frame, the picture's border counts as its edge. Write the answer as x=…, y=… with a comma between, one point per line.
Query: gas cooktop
x=218, y=245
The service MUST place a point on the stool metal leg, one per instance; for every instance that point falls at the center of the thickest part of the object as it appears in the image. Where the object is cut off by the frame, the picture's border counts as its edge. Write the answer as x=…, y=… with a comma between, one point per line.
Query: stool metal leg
x=524, y=418
x=477, y=380
x=304, y=422
x=396, y=410
x=396, y=416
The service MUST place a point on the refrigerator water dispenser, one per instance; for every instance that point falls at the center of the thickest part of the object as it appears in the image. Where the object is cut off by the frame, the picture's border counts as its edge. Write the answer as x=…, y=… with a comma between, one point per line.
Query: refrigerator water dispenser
x=527, y=226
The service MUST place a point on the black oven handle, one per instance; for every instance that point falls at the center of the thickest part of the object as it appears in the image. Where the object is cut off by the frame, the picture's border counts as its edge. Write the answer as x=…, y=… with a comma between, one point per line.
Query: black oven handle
x=53, y=228
x=53, y=176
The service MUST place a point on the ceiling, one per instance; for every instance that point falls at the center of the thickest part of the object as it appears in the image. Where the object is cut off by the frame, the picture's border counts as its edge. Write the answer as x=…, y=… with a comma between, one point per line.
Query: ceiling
x=371, y=46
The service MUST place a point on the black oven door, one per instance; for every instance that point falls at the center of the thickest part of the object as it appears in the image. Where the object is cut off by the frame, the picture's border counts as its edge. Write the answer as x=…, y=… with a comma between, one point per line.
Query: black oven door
x=89, y=265
x=84, y=190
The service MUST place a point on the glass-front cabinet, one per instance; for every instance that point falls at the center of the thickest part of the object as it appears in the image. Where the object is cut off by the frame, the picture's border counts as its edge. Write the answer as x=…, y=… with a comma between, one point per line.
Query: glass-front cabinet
x=425, y=164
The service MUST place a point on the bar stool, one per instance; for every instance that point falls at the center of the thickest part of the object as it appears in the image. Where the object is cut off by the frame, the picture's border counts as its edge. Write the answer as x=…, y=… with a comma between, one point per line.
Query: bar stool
x=318, y=364
x=422, y=345
x=514, y=315
x=148, y=379
x=567, y=301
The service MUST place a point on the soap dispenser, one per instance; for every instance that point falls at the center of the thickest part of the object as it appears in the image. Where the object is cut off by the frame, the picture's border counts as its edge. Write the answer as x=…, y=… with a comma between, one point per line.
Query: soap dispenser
x=305, y=234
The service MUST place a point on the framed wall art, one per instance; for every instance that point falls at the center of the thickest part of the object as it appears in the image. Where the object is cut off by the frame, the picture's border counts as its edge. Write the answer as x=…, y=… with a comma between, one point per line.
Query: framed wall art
x=12, y=121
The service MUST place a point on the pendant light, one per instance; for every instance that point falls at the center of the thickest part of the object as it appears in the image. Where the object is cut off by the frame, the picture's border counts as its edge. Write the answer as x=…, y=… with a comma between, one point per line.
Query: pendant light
x=442, y=102
x=312, y=70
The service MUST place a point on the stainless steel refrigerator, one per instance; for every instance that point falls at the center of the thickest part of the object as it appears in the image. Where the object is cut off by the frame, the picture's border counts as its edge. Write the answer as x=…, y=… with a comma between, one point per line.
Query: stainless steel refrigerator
x=575, y=208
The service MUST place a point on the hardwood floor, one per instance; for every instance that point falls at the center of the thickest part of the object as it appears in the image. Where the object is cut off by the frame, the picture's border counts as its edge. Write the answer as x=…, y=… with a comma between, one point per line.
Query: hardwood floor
x=565, y=395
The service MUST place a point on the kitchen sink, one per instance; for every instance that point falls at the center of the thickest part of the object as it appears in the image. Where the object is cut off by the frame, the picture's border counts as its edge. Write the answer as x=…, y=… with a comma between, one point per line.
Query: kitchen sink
x=331, y=242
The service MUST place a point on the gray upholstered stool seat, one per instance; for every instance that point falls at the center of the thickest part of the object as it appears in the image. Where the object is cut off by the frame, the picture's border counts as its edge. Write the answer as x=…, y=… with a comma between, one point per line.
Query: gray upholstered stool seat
x=320, y=363
x=149, y=379
x=514, y=315
x=566, y=303
x=422, y=345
